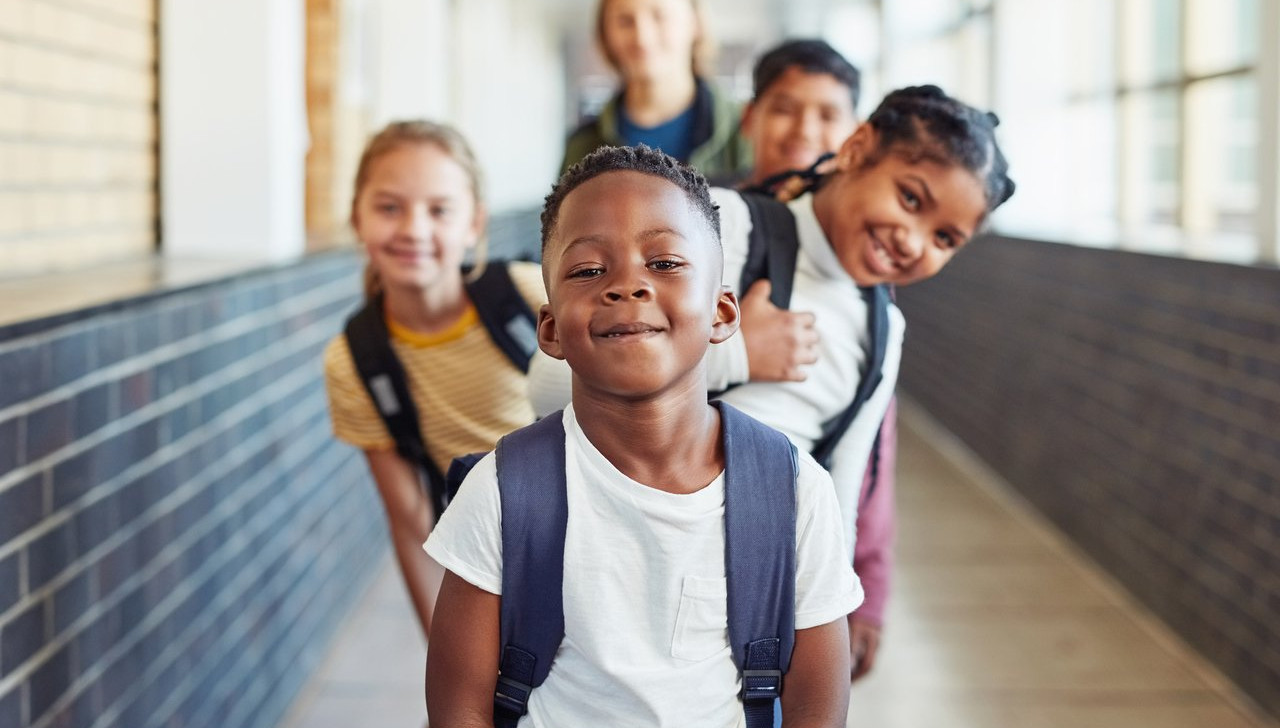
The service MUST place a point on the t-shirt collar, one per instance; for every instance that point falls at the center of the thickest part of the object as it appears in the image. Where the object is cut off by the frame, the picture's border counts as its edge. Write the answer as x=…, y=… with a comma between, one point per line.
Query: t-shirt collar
x=813, y=241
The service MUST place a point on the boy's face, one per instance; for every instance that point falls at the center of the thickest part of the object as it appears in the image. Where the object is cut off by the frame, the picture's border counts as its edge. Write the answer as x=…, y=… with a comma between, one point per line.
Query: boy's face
x=798, y=118
x=633, y=284
x=898, y=221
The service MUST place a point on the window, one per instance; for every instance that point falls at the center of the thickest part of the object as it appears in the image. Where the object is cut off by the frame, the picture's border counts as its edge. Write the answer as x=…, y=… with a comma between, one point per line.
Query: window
x=1129, y=123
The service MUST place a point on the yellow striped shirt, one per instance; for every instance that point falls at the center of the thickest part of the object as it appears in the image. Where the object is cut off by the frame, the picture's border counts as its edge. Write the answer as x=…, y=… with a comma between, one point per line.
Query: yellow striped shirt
x=468, y=393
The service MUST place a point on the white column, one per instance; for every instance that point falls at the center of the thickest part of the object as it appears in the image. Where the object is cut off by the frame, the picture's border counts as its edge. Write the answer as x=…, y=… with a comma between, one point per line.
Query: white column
x=1268, y=74
x=411, y=60
x=233, y=128
x=508, y=97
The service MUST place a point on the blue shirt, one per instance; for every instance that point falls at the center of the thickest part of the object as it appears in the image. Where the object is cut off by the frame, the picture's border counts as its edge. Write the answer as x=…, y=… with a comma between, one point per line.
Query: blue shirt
x=674, y=137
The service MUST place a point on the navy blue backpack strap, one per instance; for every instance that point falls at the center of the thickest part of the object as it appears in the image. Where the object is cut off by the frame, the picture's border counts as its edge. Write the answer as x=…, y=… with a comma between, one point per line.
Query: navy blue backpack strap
x=505, y=313
x=384, y=377
x=760, y=557
x=535, y=513
x=772, y=248
x=877, y=298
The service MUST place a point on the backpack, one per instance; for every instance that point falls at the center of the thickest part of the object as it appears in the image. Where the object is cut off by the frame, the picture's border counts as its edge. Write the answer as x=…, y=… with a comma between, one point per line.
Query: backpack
x=772, y=248
x=507, y=318
x=760, y=537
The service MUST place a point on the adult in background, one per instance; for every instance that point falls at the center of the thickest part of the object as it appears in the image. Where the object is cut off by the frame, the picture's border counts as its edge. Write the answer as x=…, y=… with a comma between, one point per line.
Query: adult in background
x=660, y=49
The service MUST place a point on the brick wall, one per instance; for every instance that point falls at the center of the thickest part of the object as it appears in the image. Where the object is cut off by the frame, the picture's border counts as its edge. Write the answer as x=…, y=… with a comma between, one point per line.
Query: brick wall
x=1135, y=400
x=179, y=533
x=77, y=132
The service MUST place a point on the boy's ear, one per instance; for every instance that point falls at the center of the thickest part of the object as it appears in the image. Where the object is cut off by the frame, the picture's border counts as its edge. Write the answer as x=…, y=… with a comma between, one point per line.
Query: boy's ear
x=727, y=316
x=548, y=337
x=857, y=148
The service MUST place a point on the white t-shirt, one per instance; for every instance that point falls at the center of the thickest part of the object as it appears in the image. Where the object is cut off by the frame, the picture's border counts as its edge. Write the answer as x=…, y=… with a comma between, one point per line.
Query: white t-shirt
x=646, y=630
x=798, y=409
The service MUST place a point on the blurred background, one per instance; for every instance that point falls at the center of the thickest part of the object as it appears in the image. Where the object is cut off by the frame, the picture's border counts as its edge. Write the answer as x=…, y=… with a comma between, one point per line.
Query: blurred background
x=1141, y=124
x=180, y=538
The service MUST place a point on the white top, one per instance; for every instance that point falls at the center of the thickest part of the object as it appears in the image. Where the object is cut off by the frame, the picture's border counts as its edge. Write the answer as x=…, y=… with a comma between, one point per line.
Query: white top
x=798, y=409
x=646, y=630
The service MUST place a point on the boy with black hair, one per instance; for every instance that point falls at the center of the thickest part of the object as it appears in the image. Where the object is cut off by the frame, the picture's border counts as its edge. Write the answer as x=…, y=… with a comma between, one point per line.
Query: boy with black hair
x=632, y=263
x=804, y=105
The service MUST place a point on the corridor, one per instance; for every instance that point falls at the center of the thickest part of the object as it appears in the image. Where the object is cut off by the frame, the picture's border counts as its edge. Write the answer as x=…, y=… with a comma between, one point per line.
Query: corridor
x=994, y=622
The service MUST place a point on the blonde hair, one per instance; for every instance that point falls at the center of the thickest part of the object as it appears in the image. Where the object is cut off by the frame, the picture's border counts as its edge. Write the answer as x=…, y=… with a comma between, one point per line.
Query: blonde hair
x=418, y=131
x=704, y=47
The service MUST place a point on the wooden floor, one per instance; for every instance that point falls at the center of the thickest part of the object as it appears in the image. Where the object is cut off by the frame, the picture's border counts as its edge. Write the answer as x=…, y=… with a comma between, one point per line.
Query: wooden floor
x=995, y=622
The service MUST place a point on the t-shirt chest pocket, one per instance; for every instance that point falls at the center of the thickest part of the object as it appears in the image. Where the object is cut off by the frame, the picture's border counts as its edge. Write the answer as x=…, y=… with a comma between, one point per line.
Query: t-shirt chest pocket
x=702, y=621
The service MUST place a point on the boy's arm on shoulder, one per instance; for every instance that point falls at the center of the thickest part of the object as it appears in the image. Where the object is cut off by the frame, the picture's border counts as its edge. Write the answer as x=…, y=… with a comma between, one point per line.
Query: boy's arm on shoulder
x=462, y=659
x=816, y=689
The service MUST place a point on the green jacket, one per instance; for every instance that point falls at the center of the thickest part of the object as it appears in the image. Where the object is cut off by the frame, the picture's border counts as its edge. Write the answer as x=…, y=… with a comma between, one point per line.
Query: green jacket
x=719, y=152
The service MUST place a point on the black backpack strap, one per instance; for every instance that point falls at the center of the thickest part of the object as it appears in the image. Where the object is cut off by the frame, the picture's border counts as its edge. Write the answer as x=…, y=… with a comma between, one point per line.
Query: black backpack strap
x=809, y=177
x=535, y=513
x=877, y=298
x=772, y=248
x=760, y=557
x=505, y=313
x=384, y=377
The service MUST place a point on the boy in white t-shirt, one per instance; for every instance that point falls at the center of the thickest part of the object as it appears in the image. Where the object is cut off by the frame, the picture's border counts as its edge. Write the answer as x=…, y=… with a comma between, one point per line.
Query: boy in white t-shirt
x=632, y=265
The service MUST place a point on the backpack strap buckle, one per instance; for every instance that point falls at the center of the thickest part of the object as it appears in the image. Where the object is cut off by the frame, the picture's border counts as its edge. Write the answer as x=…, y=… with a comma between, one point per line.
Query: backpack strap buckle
x=512, y=695
x=761, y=684
x=762, y=671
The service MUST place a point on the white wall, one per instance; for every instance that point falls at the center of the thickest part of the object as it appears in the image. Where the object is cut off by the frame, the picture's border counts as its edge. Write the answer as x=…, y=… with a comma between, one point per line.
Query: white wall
x=508, y=98
x=410, y=60
x=233, y=128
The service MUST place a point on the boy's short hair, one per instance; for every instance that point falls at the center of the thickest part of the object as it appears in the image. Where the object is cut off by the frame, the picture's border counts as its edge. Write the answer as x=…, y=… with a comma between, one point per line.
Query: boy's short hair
x=643, y=159
x=811, y=56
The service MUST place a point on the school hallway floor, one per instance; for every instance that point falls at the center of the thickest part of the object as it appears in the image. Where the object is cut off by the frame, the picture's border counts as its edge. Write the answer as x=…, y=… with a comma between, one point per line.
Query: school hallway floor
x=995, y=622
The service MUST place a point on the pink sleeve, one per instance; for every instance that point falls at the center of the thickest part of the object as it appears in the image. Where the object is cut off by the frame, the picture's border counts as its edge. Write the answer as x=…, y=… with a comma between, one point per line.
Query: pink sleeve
x=877, y=521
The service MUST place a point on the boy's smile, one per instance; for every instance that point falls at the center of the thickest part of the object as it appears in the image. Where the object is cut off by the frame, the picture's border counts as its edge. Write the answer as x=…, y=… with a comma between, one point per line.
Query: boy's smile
x=633, y=280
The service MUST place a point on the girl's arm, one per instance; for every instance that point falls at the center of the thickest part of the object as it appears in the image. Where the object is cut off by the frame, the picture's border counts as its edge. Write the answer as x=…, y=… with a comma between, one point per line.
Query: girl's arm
x=462, y=662
x=815, y=691
x=410, y=516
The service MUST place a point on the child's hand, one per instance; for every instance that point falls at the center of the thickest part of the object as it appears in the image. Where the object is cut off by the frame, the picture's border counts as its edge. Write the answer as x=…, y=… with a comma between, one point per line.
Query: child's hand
x=779, y=342
x=864, y=642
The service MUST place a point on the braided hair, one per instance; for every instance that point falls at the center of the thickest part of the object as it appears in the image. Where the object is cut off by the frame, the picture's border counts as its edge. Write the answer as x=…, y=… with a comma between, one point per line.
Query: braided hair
x=923, y=122
x=643, y=159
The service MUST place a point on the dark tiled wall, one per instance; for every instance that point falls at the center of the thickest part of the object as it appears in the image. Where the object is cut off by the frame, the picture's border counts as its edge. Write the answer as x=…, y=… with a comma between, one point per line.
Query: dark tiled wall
x=179, y=533
x=1135, y=400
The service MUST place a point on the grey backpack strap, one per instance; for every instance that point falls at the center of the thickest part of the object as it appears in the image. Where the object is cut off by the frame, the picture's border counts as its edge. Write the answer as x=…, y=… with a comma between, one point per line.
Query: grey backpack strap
x=511, y=324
